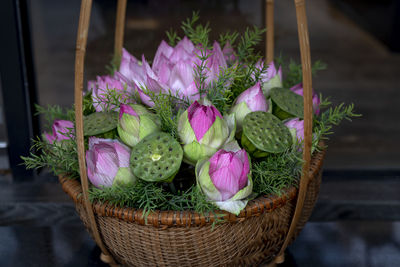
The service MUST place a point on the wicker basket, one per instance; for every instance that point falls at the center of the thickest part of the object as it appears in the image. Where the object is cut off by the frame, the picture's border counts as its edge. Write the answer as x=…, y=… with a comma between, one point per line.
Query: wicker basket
x=260, y=233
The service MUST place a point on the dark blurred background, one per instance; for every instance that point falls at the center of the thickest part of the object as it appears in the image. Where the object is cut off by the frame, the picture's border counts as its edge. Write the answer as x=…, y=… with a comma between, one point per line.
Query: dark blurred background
x=357, y=219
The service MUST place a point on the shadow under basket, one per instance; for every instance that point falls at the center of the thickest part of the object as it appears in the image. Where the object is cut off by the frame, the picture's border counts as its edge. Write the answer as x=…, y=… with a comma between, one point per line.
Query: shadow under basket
x=186, y=238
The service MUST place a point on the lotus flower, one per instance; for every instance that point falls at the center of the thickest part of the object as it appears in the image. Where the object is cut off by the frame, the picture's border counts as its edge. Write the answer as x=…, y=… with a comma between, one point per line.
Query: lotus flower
x=271, y=78
x=296, y=127
x=214, y=63
x=225, y=179
x=182, y=51
x=229, y=53
x=135, y=123
x=102, y=87
x=139, y=75
x=202, y=131
x=174, y=66
x=298, y=89
x=250, y=100
x=62, y=130
x=108, y=163
x=172, y=70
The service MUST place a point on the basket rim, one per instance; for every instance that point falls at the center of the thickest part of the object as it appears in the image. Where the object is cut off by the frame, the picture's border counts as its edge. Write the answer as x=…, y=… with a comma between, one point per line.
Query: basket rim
x=188, y=218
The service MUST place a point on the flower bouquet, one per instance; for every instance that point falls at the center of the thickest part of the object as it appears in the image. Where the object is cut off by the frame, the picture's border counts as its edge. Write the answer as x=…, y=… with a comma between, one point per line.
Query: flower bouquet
x=207, y=134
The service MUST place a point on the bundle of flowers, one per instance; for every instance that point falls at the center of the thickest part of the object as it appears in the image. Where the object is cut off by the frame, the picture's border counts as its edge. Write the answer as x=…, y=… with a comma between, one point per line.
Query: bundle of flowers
x=204, y=126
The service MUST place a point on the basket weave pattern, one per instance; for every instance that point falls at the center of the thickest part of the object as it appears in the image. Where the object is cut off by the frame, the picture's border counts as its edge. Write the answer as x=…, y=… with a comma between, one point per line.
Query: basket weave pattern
x=253, y=237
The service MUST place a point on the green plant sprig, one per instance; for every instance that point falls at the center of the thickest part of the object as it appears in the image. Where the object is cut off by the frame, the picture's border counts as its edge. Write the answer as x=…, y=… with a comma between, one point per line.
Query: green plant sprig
x=200, y=71
x=228, y=37
x=151, y=197
x=294, y=71
x=276, y=172
x=172, y=36
x=111, y=99
x=246, y=47
x=219, y=92
x=54, y=112
x=197, y=33
x=168, y=107
x=60, y=157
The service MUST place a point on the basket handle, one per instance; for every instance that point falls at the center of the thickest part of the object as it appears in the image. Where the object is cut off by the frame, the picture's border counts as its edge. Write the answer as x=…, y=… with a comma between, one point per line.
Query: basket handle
x=307, y=93
x=83, y=29
x=269, y=22
x=81, y=43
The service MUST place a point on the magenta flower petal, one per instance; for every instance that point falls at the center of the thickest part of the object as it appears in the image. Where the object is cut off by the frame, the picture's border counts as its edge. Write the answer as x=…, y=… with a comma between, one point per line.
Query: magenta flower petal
x=192, y=92
x=242, y=154
x=124, y=108
x=50, y=138
x=214, y=160
x=144, y=98
x=181, y=78
x=104, y=158
x=106, y=161
x=184, y=50
x=229, y=172
x=298, y=126
x=185, y=44
x=225, y=182
x=218, y=58
x=127, y=63
x=164, y=51
x=201, y=118
x=254, y=98
x=164, y=69
x=215, y=63
x=123, y=154
x=61, y=130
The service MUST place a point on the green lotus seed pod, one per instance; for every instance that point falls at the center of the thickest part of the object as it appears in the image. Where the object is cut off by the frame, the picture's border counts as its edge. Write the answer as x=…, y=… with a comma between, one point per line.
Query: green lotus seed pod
x=286, y=103
x=156, y=158
x=99, y=123
x=266, y=133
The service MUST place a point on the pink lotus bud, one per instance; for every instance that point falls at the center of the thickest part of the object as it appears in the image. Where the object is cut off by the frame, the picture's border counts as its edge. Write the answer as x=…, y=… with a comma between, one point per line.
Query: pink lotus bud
x=201, y=118
x=202, y=130
x=298, y=89
x=229, y=171
x=225, y=179
x=108, y=163
x=135, y=123
x=62, y=130
x=270, y=78
x=296, y=127
x=250, y=100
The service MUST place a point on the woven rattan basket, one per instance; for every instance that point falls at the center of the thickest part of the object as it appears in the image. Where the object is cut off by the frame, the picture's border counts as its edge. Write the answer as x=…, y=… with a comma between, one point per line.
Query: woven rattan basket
x=259, y=234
